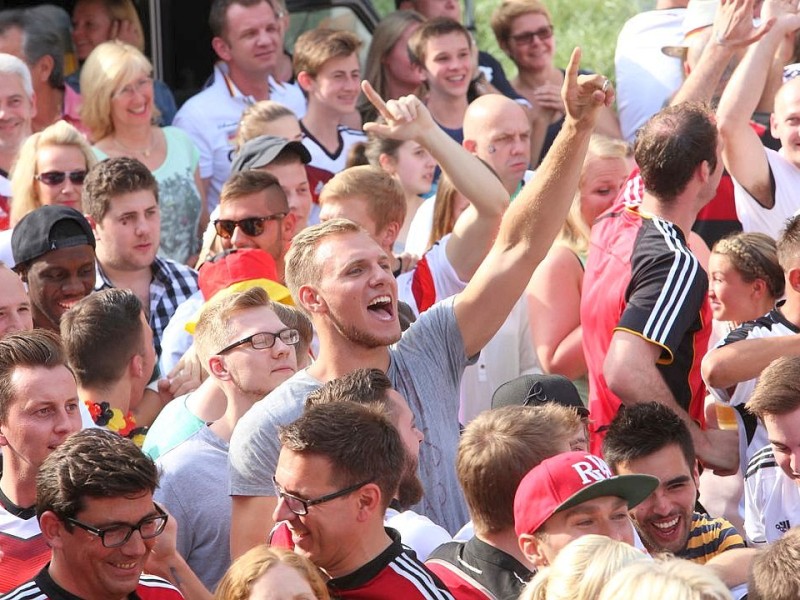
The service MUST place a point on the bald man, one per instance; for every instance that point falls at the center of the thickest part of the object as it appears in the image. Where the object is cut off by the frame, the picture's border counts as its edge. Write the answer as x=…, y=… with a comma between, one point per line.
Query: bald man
x=497, y=130
x=765, y=181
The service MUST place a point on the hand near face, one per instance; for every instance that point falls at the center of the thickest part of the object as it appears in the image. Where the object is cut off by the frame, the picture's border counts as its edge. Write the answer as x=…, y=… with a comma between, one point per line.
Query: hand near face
x=733, y=24
x=584, y=95
x=406, y=118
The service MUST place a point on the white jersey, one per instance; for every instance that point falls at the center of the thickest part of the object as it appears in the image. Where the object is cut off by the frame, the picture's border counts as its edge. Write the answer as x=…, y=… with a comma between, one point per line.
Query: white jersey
x=771, y=499
x=771, y=221
x=324, y=165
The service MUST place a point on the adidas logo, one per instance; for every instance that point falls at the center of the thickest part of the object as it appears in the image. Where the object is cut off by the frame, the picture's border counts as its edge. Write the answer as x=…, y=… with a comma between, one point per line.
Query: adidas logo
x=782, y=526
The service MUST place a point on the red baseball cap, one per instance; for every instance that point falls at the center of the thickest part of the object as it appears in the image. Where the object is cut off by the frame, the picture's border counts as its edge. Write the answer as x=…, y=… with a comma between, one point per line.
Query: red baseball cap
x=569, y=479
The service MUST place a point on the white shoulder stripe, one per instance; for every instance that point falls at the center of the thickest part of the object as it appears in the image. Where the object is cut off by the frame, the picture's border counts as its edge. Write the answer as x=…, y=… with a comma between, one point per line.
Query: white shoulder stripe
x=675, y=289
x=27, y=591
x=419, y=576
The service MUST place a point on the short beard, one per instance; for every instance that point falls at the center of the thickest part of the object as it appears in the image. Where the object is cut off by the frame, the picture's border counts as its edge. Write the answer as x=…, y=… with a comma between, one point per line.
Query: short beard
x=410, y=490
x=361, y=338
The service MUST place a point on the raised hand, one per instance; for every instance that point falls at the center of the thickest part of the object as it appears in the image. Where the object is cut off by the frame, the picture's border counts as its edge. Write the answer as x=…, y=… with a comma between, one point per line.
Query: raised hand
x=733, y=24
x=406, y=118
x=584, y=95
x=782, y=13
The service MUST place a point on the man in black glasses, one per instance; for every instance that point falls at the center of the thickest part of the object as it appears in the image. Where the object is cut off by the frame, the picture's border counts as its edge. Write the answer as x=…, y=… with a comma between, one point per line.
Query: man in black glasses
x=94, y=502
x=248, y=352
x=339, y=467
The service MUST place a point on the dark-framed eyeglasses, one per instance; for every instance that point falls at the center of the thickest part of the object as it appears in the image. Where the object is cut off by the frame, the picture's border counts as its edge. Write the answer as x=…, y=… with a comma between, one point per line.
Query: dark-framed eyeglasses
x=527, y=37
x=58, y=177
x=265, y=339
x=252, y=226
x=115, y=536
x=299, y=506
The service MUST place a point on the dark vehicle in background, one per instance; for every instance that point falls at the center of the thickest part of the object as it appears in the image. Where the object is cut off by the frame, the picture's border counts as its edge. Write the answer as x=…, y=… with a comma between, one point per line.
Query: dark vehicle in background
x=179, y=41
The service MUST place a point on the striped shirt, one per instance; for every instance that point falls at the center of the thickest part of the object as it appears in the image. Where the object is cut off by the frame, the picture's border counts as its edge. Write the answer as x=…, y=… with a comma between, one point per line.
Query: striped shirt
x=642, y=278
x=771, y=499
x=708, y=538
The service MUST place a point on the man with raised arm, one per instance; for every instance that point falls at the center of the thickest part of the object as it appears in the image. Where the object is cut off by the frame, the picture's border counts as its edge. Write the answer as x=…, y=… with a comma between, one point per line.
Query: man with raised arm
x=342, y=278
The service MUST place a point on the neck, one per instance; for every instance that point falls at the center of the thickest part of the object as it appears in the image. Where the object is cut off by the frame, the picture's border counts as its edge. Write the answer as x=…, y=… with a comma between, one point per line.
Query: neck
x=791, y=308
x=396, y=89
x=448, y=110
x=283, y=68
x=323, y=123
x=238, y=405
x=338, y=357
x=118, y=395
x=675, y=212
x=18, y=480
x=361, y=550
x=532, y=79
x=126, y=279
x=250, y=84
x=42, y=321
x=135, y=137
x=506, y=541
x=49, y=107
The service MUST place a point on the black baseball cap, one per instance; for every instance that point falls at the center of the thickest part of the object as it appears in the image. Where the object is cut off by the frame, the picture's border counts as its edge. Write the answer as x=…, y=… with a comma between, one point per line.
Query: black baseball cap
x=536, y=390
x=46, y=229
x=262, y=150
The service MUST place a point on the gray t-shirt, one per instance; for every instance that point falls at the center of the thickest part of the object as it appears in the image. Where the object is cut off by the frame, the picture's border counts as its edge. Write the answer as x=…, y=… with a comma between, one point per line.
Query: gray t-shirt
x=194, y=476
x=425, y=366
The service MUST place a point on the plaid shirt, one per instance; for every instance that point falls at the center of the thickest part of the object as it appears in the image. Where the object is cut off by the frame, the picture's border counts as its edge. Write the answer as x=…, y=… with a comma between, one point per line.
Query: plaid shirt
x=172, y=284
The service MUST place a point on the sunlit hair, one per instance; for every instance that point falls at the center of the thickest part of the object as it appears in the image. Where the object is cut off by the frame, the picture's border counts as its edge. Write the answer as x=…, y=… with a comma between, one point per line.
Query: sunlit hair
x=317, y=46
x=11, y=65
x=777, y=390
x=434, y=28
x=256, y=119
x=109, y=67
x=574, y=233
x=444, y=214
x=508, y=11
x=23, y=187
x=581, y=569
x=754, y=256
x=668, y=579
x=238, y=581
x=776, y=571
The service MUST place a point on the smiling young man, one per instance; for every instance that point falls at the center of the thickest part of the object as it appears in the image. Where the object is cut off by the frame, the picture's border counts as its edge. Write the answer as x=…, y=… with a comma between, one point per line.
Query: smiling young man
x=342, y=278
x=94, y=502
x=651, y=439
x=571, y=495
x=248, y=352
x=246, y=38
x=326, y=66
x=38, y=410
x=54, y=251
x=120, y=197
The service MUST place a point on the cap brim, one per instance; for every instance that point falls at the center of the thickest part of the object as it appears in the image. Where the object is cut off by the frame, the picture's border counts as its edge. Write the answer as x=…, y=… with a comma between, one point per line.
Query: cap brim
x=675, y=51
x=632, y=488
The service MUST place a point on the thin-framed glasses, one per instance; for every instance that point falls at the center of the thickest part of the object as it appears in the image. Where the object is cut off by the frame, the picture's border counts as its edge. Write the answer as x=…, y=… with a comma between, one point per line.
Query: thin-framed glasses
x=115, y=536
x=265, y=339
x=525, y=38
x=58, y=177
x=299, y=506
x=252, y=226
x=136, y=87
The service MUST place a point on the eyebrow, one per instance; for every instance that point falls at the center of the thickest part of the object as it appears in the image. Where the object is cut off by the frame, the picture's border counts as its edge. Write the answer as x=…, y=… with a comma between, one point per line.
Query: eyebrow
x=679, y=479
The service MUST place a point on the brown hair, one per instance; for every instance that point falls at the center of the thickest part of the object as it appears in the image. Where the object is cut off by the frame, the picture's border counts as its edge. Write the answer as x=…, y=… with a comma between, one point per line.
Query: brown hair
x=111, y=178
x=774, y=574
x=256, y=118
x=317, y=46
x=254, y=181
x=754, y=256
x=433, y=28
x=778, y=388
x=101, y=333
x=444, y=218
x=217, y=18
x=358, y=440
x=789, y=243
x=250, y=566
x=496, y=451
x=36, y=348
x=294, y=318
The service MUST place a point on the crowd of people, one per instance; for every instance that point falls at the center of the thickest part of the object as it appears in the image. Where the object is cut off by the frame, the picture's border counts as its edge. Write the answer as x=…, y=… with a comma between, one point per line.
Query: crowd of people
x=406, y=329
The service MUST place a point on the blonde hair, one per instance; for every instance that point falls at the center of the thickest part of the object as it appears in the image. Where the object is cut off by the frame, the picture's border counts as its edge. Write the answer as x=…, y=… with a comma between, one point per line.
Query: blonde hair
x=574, y=233
x=754, y=256
x=581, y=569
x=302, y=267
x=238, y=581
x=667, y=579
x=213, y=329
x=256, y=119
x=23, y=190
x=509, y=10
x=109, y=66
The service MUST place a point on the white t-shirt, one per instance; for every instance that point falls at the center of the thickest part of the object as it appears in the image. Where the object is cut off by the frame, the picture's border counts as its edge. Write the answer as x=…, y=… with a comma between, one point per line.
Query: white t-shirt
x=771, y=500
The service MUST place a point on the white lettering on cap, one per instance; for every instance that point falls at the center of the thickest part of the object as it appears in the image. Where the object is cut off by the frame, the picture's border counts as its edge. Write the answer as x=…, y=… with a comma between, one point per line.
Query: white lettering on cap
x=593, y=471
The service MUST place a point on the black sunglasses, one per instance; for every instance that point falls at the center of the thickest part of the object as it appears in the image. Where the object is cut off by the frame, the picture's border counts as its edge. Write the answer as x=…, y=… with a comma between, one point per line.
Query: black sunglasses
x=58, y=177
x=252, y=226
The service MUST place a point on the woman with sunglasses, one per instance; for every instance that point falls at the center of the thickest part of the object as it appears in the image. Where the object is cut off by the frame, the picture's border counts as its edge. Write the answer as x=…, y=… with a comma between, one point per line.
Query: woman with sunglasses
x=49, y=169
x=118, y=110
x=524, y=31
